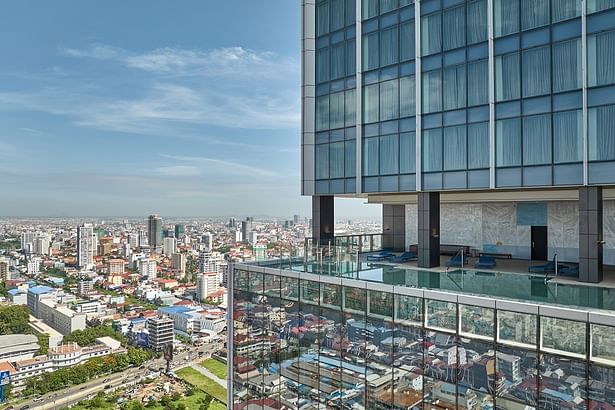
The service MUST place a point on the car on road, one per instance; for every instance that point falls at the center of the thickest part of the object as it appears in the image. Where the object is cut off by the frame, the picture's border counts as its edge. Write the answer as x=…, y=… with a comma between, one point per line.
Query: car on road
x=82, y=387
x=107, y=386
x=106, y=380
x=25, y=407
x=38, y=399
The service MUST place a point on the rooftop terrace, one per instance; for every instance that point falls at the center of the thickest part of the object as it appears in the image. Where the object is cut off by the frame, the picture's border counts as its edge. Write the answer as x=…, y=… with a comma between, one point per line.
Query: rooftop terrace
x=509, y=279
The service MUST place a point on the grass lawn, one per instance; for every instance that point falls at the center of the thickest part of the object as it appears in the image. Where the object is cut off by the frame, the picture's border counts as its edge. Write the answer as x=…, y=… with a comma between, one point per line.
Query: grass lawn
x=216, y=367
x=202, y=382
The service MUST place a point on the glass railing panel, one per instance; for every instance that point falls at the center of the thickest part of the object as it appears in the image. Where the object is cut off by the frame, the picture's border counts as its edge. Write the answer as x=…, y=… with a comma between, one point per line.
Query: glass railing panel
x=310, y=292
x=603, y=344
x=354, y=300
x=563, y=336
x=331, y=296
x=408, y=310
x=241, y=279
x=289, y=288
x=477, y=321
x=441, y=315
x=517, y=328
x=380, y=305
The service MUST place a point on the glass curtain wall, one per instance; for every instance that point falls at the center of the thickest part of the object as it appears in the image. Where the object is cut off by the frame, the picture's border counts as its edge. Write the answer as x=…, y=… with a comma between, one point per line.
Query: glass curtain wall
x=335, y=111
x=389, y=95
x=299, y=343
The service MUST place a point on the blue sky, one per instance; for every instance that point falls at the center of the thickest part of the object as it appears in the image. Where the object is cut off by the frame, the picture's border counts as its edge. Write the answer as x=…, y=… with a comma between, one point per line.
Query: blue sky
x=188, y=107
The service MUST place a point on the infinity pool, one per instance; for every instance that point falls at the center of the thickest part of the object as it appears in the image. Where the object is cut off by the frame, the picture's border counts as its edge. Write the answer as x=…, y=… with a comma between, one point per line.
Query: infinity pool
x=520, y=287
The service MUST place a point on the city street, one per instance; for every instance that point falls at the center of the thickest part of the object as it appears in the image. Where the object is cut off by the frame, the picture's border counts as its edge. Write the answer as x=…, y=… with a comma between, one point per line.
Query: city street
x=74, y=394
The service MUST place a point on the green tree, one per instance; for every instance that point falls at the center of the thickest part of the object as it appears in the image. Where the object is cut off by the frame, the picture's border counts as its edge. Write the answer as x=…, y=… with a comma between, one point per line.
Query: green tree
x=14, y=319
x=88, y=336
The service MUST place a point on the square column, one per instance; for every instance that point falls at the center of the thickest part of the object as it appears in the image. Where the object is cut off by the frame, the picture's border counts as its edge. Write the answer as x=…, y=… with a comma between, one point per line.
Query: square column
x=429, y=229
x=590, y=234
x=394, y=227
x=323, y=219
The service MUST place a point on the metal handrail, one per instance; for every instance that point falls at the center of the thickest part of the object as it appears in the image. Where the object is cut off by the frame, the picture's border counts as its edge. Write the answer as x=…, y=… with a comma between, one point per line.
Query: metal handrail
x=555, y=259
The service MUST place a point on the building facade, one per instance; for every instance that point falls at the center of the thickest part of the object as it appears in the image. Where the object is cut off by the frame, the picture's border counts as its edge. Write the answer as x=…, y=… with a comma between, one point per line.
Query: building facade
x=160, y=332
x=481, y=123
x=499, y=110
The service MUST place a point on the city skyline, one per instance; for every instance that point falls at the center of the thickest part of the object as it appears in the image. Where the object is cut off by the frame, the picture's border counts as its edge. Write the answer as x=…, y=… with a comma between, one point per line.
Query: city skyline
x=171, y=114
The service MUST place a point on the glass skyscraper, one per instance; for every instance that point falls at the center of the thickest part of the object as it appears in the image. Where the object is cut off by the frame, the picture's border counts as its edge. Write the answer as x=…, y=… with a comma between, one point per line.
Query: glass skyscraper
x=482, y=125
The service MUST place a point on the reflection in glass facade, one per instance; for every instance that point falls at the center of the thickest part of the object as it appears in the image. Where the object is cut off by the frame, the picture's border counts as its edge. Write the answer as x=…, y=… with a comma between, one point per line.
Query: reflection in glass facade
x=394, y=73
x=330, y=343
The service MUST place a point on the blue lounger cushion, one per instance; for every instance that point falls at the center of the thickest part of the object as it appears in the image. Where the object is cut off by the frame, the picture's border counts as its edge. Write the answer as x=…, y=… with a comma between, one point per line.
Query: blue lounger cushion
x=485, y=262
x=404, y=257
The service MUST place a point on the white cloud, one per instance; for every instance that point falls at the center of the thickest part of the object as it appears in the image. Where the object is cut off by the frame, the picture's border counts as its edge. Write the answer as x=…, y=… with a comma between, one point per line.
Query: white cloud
x=224, y=166
x=230, y=62
x=179, y=171
x=161, y=110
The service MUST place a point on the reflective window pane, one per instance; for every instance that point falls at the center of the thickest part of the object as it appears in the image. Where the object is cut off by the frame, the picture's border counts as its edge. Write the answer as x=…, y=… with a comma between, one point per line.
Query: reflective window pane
x=506, y=17
x=601, y=133
x=562, y=383
x=518, y=367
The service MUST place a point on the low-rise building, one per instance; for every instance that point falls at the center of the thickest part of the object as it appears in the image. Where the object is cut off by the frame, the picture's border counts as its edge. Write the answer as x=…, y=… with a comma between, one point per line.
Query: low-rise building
x=60, y=317
x=93, y=307
x=65, y=355
x=18, y=347
x=18, y=297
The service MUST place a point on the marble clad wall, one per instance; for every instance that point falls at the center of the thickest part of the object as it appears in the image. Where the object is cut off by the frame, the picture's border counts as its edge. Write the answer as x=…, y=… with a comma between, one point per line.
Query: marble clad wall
x=496, y=223
x=608, y=228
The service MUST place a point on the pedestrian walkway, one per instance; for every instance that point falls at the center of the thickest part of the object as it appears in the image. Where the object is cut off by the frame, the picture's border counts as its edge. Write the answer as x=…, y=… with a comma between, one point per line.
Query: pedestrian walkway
x=209, y=374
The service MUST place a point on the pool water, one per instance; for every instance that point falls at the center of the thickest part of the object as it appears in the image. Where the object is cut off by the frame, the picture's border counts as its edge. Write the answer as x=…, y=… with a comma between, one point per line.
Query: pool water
x=520, y=287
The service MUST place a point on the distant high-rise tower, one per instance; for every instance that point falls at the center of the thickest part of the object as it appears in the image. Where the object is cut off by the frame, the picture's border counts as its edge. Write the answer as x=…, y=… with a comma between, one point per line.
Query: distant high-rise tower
x=180, y=231
x=170, y=246
x=246, y=227
x=154, y=232
x=86, y=246
x=232, y=223
x=208, y=241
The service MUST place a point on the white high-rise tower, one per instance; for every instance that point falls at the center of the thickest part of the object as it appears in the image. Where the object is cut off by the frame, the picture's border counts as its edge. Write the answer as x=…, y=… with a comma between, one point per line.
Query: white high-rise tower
x=86, y=246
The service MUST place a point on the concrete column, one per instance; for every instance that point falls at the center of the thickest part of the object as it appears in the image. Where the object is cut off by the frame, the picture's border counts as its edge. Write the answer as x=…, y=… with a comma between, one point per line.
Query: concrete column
x=394, y=227
x=429, y=229
x=323, y=219
x=590, y=234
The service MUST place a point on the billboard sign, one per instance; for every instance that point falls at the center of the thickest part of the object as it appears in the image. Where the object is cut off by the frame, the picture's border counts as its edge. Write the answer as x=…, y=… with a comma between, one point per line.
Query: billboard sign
x=5, y=378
